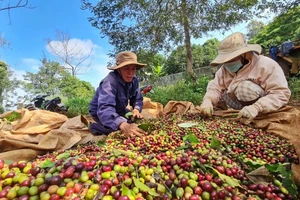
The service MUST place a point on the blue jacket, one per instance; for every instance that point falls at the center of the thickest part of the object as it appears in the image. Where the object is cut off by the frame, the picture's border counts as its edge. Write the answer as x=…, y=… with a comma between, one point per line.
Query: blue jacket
x=111, y=99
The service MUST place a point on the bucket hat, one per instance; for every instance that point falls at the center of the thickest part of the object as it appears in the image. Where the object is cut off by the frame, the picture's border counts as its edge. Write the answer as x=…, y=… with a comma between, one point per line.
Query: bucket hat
x=233, y=46
x=126, y=58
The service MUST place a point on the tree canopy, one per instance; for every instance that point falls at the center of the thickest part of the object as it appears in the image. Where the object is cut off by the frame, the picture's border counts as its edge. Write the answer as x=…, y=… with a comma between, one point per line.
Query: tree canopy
x=53, y=79
x=202, y=55
x=162, y=25
x=283, y=28
x=254, y=27
x=7, y=83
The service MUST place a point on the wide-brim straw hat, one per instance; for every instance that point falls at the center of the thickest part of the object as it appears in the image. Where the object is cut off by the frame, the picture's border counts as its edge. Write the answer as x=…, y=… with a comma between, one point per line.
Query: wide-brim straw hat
x=126, y=58
x=233, y=46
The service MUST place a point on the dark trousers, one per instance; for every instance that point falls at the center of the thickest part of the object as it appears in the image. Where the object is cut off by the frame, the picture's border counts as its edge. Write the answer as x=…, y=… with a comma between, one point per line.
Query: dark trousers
x=98, y=128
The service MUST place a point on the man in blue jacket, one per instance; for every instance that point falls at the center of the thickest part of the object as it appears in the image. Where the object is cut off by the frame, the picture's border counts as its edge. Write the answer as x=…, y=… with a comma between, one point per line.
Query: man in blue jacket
x=108, y=107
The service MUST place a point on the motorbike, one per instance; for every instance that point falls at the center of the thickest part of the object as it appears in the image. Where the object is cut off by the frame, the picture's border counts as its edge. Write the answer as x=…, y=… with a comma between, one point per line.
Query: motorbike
x=54, y=105
x=146, y=89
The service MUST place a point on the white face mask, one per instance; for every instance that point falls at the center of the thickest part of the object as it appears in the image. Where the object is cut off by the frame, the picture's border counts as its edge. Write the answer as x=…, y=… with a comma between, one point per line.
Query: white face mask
x=233, y=66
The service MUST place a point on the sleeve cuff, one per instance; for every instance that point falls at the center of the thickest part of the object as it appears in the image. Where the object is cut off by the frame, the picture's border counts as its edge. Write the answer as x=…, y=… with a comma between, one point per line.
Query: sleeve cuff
x=119, y=121
x=138, y=108
x=258, y=106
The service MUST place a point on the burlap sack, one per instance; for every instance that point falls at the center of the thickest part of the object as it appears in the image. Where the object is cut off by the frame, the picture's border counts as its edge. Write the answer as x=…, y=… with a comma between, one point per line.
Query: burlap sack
x=151, y=110
x=15, y=146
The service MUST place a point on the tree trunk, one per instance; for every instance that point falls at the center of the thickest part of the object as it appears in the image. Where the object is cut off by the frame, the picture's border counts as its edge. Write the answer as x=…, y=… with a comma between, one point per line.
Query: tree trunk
x=187, y=40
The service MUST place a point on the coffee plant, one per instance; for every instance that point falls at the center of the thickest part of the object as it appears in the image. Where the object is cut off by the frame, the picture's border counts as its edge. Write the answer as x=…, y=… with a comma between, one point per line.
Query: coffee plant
x=182, y=157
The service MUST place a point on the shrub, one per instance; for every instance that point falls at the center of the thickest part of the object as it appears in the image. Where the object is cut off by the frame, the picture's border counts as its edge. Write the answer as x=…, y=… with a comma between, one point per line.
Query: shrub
x=1, y=109
x=294, y=85
x=78, y=106
x=184, y=90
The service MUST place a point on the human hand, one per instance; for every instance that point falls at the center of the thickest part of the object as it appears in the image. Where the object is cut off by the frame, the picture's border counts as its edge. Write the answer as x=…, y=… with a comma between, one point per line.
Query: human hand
x=131, y=130
x=248, y=112
x=136, y=114
x=206, y=108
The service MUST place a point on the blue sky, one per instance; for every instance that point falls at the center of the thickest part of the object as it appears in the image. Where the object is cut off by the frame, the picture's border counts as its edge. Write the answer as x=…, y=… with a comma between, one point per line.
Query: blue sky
x=29, y=28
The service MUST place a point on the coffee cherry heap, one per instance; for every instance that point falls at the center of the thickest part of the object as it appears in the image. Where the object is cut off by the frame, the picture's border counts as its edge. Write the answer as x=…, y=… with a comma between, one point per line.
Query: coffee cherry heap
x=155, y=166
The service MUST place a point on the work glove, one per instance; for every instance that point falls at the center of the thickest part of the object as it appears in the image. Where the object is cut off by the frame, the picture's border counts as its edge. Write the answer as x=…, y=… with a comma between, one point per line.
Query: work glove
x=248, y=112
x=206, y=108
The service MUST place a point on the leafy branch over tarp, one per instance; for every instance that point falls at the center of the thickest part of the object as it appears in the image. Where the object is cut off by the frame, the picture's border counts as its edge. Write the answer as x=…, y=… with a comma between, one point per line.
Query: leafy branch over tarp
x=118, y=152
x=101, y=143
x=265, y=173
x=127, y=192
x=13, y=116
x=144, y=127
x=63, y=155
x=128, y=115
x=214, y=143
x=191, y=138
x=229, y=180
x=286, y=173
x=144, y=187
x=47, y=163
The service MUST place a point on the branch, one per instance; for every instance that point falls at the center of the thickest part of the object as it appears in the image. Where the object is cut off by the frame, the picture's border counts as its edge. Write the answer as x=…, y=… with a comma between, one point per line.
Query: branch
x=72, y=56
x=20, y=4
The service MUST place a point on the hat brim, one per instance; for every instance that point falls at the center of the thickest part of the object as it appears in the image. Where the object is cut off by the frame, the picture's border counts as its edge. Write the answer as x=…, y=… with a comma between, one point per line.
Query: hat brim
x=123, y=64
x=225, y=57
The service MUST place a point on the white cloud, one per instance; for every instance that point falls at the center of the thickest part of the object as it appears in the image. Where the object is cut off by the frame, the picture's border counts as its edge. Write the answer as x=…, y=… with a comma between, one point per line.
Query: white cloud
x=31, y=63
x=75, y=47
x=80, y=48
x=82, y=52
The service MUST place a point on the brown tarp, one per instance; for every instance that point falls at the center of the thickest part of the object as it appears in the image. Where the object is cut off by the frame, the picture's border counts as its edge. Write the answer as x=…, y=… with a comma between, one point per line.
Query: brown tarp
x=41, y=131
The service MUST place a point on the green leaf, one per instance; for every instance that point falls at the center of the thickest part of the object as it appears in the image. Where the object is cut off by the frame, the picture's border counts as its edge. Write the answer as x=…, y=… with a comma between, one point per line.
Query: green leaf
x=128, y=115
x=234, y=115
x=101, y=143
x=202, y=128
x=8, y=162
x=161, y=132
x=286, y=173
x=202, y=167
x=47, y=163
x=289, y=184
x=231, y=181
x=144, y=127
x=183, y=147
x=191, y=138
x=272, y=168
x=126, y=191
x=118, y=152
x=254, y=164
x=13, y=116
x=144, y=187
x=214, y=143
x=279, y=168
x=187, y=124
x=63, y=155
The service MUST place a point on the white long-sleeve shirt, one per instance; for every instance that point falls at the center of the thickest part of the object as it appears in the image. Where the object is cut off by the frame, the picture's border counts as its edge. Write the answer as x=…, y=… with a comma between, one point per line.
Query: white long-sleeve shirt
x=261, y=70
